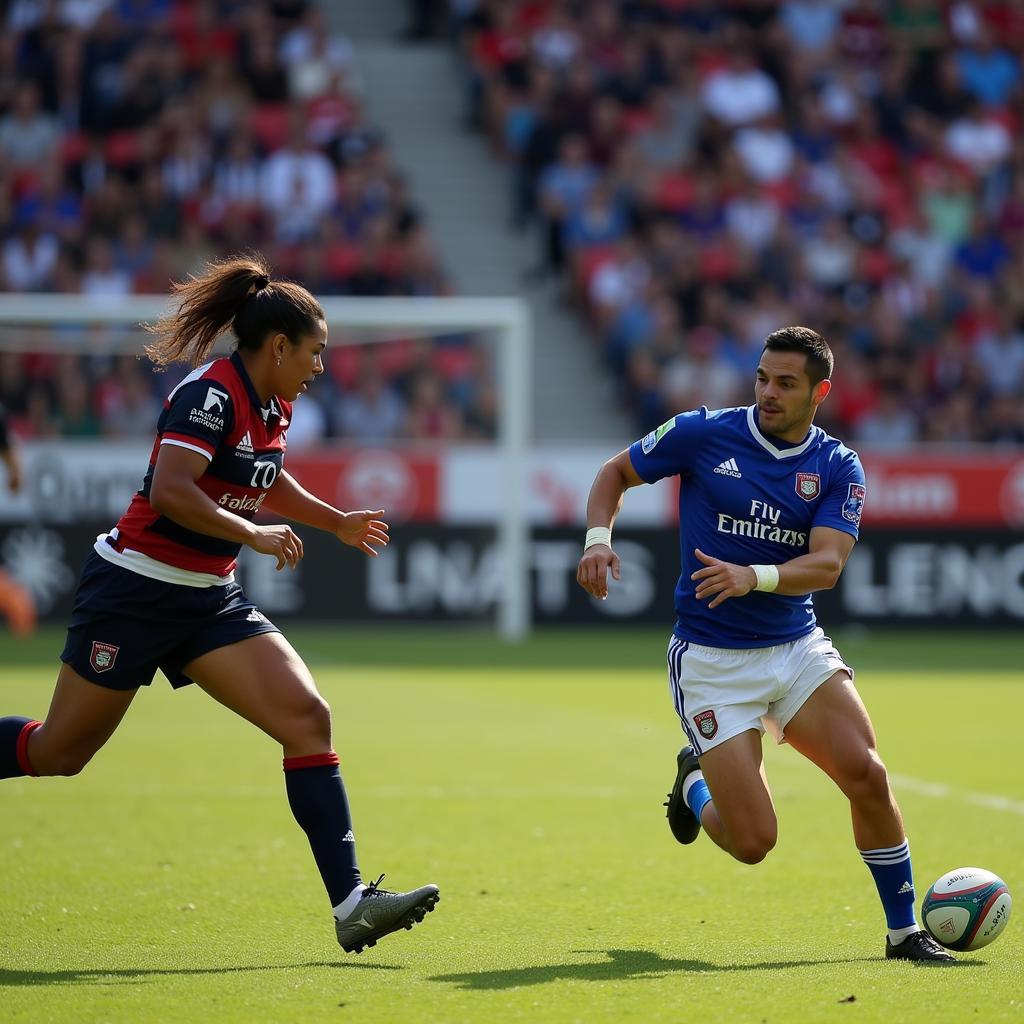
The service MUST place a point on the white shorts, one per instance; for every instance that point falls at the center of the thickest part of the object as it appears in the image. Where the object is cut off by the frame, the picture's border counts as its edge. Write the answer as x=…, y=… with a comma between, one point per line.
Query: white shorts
x=719, y=693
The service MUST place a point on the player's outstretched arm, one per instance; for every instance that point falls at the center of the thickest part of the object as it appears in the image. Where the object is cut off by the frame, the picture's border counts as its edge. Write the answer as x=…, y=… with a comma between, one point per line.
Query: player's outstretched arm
x=365, y=529
x=819, y=569
x=613, y=479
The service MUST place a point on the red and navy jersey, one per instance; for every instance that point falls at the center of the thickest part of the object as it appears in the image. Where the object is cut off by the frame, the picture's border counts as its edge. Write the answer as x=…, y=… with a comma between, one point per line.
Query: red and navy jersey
x=216, y=412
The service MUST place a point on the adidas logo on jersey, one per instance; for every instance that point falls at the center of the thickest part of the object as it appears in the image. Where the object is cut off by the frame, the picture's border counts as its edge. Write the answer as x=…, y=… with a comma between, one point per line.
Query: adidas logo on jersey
x=729, y=468
x=245, y=445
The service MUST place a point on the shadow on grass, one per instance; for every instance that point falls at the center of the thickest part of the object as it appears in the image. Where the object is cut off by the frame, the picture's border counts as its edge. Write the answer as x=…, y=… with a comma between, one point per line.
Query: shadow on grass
x=102, y=976
x=625, y=964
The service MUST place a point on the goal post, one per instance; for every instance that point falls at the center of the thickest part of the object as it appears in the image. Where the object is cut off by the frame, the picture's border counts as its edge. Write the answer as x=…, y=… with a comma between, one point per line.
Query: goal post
x=358, y=321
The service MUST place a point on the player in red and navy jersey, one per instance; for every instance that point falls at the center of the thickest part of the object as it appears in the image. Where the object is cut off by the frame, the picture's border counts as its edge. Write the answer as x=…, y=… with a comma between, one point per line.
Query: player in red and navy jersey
x=769, y=511
x=158, y=590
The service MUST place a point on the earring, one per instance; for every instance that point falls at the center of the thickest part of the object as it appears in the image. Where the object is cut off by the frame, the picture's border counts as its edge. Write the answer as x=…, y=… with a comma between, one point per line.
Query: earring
x=278, y=361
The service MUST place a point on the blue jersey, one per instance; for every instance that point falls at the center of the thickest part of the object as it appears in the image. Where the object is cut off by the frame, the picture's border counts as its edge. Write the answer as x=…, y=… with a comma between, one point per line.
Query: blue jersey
x=751, y=499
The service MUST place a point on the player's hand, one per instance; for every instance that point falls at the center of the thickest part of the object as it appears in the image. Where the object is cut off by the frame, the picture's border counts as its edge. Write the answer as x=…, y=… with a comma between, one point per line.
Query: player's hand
x=592, y=572
x=280, y=542
x=364, y=530
x=721, y=580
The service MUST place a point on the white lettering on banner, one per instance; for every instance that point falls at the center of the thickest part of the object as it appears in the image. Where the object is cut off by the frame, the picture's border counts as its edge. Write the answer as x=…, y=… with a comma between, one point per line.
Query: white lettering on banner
x=453, y=578
x=931, y=496
x=450, y=577
x=553, y=582
x=271, y=590
x=924, y=580
x=65, y=482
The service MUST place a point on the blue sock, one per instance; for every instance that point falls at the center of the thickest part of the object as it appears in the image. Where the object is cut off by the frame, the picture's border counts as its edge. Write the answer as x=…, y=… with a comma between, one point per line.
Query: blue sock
x=14, y=734
x=890, y=867
x=317, y=798
x=698, y=796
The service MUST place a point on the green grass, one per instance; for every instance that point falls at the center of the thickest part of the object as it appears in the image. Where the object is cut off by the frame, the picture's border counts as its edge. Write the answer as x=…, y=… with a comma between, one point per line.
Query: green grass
x=169, y=883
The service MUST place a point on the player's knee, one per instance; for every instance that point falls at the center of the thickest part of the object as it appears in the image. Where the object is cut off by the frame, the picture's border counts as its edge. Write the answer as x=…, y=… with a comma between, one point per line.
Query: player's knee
x=66, y=762
x=753, y=846
x=312, y=721
x=876, y=779
x=867, y=778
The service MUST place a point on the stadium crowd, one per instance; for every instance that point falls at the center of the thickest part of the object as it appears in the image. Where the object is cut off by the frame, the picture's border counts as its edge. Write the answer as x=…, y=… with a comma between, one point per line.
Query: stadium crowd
x=140, y=138
x=704, y=171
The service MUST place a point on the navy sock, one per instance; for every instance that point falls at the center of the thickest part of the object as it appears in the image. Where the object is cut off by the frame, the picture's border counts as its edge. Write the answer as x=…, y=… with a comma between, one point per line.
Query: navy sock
x=317, y=798
x=14, y=734
x=890, y=867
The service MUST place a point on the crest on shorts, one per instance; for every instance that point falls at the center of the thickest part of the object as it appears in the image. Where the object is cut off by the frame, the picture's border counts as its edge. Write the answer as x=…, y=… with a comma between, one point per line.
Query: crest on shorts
x=103, y=656
x=707, y=723
x=854, y=504
x=808, y=485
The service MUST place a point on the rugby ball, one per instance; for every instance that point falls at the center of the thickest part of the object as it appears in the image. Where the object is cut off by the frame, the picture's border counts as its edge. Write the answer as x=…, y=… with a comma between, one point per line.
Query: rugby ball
x=967, y=908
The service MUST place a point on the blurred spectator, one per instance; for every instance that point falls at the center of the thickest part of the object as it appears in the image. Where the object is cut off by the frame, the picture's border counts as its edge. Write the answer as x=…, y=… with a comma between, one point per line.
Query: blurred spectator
x=890, y=424
x=735, y=167
x=141, y=138
x=740, y=92
x=28, y=134
x=29, y=258
x=372, y=410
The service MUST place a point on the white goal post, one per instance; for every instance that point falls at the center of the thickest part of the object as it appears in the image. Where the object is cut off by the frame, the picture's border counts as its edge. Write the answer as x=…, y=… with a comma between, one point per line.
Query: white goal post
x=374, y=320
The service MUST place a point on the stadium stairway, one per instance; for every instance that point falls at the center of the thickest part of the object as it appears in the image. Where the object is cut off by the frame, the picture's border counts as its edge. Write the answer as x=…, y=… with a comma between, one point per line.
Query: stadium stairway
x=414, y=92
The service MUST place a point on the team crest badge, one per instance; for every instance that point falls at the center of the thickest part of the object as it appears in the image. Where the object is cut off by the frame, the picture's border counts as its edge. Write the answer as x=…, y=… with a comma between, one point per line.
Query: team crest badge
x=707, y=723
x=103, y=656
x=808, y=485
x=854, y=504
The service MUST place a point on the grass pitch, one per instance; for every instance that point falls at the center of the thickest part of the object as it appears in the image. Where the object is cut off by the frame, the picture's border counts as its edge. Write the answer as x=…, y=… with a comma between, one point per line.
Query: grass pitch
x=169, y=883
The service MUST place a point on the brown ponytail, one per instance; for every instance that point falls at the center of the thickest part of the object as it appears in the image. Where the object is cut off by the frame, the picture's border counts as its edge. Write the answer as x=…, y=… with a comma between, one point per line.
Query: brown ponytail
x=239, y=293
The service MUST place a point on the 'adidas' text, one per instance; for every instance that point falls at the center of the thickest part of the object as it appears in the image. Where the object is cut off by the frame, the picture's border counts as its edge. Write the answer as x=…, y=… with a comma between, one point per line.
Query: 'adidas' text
x=729, y=468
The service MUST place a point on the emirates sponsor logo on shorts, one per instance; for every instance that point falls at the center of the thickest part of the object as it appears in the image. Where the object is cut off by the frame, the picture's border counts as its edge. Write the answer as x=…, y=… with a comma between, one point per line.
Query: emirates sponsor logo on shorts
x=103, y=656
x=706, y=723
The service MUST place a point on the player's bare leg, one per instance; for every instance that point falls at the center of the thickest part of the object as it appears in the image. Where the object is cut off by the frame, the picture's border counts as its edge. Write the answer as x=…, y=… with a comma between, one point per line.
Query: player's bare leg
x=81, y=718
x=833, y=730
x=265, y=681
x=741, y=816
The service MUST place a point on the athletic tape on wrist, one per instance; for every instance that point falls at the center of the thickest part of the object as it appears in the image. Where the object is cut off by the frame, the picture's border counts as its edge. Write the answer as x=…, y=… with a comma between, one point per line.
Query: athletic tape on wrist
x=767, y=577
x=598, y=535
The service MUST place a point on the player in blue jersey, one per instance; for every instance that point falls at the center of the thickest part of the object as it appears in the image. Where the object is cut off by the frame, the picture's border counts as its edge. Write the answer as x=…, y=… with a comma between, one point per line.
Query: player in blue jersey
x=769, y=510
x=158, y=590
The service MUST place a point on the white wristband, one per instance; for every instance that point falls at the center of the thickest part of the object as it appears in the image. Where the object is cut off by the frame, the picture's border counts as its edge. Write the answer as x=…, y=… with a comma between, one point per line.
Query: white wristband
x=598, y=535
x=767, y=577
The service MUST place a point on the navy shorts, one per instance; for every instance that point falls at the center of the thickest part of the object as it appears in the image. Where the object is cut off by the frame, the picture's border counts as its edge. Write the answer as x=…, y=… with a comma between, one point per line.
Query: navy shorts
x=125, y=626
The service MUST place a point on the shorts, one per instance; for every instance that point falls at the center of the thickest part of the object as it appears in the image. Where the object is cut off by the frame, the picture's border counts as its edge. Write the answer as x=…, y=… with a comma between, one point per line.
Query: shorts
x=719, y=693
x=125, y=626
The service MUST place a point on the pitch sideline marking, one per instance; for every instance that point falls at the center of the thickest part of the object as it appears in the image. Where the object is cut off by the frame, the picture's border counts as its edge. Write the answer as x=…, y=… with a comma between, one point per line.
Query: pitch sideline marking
x=941, y=791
